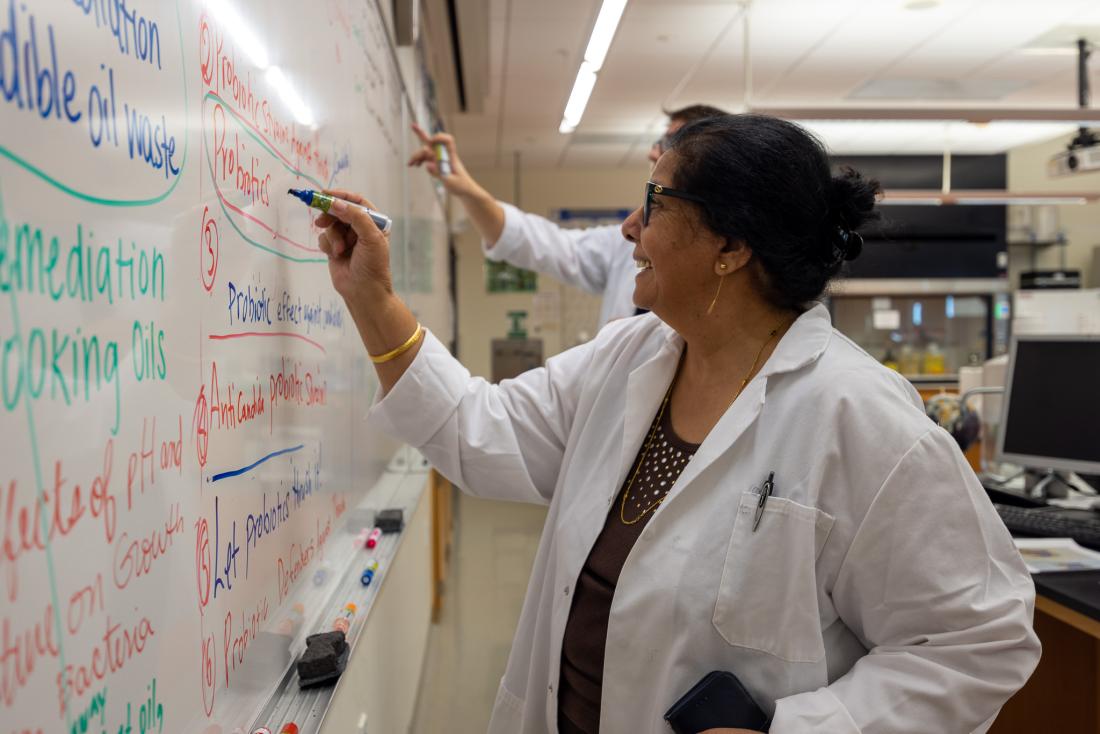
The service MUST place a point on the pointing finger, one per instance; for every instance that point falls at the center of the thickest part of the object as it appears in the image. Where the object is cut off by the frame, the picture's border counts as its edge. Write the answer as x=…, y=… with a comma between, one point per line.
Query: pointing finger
x=420, y=133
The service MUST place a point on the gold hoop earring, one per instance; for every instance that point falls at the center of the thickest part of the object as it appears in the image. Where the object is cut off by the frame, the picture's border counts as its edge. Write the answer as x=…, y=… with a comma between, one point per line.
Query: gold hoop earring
x=715, y=299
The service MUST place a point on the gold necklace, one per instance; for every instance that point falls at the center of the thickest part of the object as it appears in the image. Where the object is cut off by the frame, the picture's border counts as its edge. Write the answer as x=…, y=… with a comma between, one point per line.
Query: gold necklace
x=641, y=463
x=657, y=422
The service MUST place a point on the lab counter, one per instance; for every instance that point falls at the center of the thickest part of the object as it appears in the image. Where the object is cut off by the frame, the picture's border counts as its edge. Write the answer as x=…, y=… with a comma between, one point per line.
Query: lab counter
x=1078, y=591
x=1063, y=695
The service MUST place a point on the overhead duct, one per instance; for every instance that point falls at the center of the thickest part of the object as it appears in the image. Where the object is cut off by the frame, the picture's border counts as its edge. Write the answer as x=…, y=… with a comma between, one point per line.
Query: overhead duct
x=457, y=43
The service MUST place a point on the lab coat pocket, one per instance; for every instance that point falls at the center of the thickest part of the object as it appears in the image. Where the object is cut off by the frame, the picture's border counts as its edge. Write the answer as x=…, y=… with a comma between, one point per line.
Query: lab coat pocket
x=767, y=599
x=507, y=715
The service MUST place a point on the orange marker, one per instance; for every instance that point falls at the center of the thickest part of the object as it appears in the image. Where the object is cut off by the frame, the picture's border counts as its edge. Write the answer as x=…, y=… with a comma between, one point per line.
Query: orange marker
x=343, y=622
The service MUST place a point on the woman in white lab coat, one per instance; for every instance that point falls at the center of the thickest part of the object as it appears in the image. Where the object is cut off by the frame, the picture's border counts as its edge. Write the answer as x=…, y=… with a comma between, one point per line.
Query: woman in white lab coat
x=877, y=591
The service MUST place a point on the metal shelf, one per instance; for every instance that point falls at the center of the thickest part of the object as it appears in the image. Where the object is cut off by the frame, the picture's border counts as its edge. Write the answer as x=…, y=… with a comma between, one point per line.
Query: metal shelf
x=1038, y=243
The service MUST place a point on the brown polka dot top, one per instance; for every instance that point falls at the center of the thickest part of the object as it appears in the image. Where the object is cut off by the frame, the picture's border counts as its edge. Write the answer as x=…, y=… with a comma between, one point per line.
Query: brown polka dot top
x=582, y=654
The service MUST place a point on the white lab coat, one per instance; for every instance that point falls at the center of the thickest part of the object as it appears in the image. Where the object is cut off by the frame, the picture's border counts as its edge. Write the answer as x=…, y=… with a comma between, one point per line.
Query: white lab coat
x=598, y=260
x=881, y=593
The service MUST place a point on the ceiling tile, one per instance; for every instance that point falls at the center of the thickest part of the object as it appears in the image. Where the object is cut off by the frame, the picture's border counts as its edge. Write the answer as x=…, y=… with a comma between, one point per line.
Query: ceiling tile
x=804, y=53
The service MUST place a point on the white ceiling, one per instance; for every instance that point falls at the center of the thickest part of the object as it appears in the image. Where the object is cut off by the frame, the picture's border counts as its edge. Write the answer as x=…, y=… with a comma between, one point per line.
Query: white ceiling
x=804, y=53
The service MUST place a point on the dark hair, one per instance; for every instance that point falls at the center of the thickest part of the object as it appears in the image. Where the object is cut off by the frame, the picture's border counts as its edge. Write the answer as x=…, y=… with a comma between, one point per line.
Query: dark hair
x=767, y=182
x=693, y=112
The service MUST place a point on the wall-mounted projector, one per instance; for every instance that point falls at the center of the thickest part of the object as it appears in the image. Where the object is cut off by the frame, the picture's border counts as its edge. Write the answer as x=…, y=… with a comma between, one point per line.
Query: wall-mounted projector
x=1081, y=155
x=1083, y=152
x=1075, y=159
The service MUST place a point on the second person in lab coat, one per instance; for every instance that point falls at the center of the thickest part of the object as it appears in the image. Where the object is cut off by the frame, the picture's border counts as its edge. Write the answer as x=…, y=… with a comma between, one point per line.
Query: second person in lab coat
x=877, y=592
x=593, y=259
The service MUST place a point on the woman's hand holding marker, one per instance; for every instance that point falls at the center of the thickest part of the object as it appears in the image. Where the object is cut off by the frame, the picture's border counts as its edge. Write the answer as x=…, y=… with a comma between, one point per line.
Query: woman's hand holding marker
x=359, y=263
x=358, y=252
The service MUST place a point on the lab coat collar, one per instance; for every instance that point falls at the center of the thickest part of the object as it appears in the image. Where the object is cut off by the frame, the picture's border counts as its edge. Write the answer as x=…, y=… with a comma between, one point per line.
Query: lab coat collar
x=803, y=343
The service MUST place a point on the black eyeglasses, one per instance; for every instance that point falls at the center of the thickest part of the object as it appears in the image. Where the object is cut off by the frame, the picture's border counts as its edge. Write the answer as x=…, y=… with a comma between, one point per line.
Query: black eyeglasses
x=652, y=188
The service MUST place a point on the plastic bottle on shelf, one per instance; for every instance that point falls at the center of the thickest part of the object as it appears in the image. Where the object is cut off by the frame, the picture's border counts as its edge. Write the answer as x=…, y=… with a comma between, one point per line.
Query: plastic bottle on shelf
x=909, y=360
x=934, y=363
x=890, y=361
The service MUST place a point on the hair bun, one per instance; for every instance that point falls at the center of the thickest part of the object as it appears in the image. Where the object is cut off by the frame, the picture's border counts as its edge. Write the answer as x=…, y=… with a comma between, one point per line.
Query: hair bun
x=851, y=205
x=849, y=244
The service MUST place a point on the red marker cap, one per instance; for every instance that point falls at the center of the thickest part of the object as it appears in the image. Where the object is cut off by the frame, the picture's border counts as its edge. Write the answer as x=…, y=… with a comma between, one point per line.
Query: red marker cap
x=290, y=728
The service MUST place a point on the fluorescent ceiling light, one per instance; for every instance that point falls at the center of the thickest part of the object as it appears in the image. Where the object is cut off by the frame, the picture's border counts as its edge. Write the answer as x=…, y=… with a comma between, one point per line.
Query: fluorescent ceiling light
x=602, y=33
x=1049, y=51
x=240, y=31
x=277, y=79
x=611, y=12
x=578, y=99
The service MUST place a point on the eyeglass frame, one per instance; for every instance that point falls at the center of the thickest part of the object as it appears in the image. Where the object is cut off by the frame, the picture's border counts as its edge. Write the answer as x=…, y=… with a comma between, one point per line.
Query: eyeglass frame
x=653, y=188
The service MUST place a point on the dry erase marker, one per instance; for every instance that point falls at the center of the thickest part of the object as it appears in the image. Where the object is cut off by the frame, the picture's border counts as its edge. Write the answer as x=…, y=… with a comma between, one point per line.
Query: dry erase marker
x=372, y=539
x=443, y=158
x=368, y=575
x=343, y=622
x=321, y=201
x=289, y=728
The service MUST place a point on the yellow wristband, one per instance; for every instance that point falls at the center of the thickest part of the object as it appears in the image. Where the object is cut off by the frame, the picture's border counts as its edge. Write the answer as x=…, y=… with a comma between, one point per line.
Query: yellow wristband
x=400, y=350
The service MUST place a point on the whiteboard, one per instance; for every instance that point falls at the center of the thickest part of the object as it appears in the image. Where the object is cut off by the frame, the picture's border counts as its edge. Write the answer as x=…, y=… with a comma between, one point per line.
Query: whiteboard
x=183, y=393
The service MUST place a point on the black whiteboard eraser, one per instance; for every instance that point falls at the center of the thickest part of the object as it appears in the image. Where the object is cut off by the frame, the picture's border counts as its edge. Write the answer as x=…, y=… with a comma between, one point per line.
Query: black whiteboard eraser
x=335, y=639
x=324, y=660
x=391, y=520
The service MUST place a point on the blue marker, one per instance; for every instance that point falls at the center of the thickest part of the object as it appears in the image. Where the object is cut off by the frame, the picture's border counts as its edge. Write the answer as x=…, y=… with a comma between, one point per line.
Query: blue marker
x=368, y=575
x=322, y=201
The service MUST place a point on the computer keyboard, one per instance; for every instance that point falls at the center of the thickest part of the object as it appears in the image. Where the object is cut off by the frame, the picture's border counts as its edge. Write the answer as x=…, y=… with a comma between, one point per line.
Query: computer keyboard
x=1052, y=522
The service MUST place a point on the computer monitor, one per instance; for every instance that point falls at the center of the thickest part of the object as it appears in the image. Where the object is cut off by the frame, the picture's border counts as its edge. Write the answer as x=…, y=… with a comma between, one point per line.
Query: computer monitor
x=1051, y=412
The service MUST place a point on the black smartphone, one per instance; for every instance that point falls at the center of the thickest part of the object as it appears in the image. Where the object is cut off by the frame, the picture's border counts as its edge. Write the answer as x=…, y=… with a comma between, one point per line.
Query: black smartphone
x=718, y=700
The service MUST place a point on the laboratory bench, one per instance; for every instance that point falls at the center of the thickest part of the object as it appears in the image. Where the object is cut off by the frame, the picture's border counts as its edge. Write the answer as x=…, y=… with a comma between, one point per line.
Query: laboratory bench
x=1063, y=694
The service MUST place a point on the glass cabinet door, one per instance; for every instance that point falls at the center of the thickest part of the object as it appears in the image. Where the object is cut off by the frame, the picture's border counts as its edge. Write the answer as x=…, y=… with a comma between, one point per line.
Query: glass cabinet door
x=924, y=336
